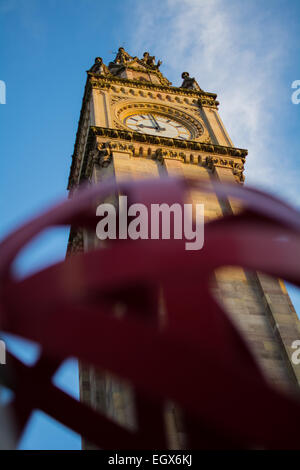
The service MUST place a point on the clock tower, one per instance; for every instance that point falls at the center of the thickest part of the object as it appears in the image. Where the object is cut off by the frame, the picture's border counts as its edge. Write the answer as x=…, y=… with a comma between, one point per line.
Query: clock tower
x=135, y=124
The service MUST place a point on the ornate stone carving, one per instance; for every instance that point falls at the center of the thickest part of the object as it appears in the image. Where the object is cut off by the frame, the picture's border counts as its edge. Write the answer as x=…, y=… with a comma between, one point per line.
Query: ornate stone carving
x=103, y=158
x=99, y=151
x=117, y=66
x=237, y=167
x=189, y=82
x=124, y=62
x=115, y=99
x=101, y=155
x=194, y=125
x=117, y=125
x=122, y=56
x=99, y=67
x=169, y=142
x=149, y=60
x=209, y=101
x=203, y=98
x=160, y=154
x=207, y=140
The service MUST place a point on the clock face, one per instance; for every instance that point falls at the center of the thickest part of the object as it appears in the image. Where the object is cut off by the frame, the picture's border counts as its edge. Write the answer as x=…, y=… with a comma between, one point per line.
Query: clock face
x=156, y=124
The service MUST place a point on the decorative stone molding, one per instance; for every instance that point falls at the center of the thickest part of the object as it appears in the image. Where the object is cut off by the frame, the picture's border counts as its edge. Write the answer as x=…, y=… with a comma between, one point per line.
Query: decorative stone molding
x=169, y=142
x=129, y=92
x=162, y=154
x=194, y=125
x=208, y=101
x=237, y=167
x=115, y=99
x=102, y=141
x=102, y=81
x=118, y=125
x=101, y=155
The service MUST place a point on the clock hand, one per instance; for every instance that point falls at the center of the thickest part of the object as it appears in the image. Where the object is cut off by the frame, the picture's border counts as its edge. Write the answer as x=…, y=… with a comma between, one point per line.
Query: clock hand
x=155, y=122
x=152, y=120
x=150, y=127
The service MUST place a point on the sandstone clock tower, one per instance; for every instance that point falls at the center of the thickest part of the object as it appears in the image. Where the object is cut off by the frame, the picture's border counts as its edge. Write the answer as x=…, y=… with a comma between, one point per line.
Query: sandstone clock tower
x=135, y=124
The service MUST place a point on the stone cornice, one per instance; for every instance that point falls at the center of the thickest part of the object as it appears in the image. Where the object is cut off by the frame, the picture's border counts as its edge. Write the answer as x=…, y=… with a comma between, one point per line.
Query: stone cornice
x=168, y=142
x=163, y=147
x=107, y=81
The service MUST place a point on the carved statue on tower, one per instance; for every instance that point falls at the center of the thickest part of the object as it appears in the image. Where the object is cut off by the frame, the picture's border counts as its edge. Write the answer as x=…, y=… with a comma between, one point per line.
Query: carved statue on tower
x=189, y=82
x=150, y=60
x=122, y=56
x=99, y=67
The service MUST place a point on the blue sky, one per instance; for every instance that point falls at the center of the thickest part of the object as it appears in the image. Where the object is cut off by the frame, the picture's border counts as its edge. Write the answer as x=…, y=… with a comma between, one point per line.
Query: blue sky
x=247, y=51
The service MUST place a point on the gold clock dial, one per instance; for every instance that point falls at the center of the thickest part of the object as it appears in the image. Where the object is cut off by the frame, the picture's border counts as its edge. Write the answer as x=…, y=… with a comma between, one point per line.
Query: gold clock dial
x=157, y=124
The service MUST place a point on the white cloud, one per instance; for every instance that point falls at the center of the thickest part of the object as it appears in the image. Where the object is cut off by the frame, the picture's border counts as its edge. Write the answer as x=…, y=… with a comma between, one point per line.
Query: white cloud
x=239, y=51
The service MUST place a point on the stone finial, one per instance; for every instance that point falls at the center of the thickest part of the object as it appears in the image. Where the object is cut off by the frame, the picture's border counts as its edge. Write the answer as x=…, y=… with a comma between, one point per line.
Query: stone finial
x=189, y=82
